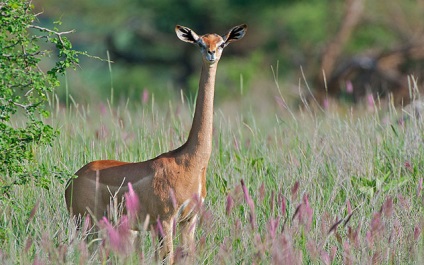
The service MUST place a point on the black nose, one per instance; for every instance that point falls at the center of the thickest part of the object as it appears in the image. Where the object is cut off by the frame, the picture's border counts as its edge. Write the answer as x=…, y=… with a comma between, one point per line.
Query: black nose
x=211, y=52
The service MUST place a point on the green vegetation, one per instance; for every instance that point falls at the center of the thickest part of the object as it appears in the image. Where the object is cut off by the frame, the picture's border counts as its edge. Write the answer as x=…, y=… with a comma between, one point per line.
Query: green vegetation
x=304, y=174
x=285, y=186
x=24, y=87
x=139, y=36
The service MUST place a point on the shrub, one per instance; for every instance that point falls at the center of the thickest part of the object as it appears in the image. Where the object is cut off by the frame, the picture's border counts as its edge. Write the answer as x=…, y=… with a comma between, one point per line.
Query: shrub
x=24, y=86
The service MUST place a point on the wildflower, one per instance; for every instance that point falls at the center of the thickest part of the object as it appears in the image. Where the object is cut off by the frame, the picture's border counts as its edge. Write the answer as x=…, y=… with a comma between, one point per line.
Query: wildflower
x=370, y=102
x=417, y=232
x=112, y=234
x=312, y=248
x=325, y=258
x=306, y=213
x=251, y=205
x=388, y=207
x=145, y=97
x=347, y=258
x=33, y=211
x=408, y=165
x=273, y=226
x=132, y=202
x=294, y=189
x=87, y=224
x=118, y=238
x=376, y=223
x=229, y=204
x=349, y=87
x=283, y=205
x=262, y=192
x=349, y=207
x=326, y=104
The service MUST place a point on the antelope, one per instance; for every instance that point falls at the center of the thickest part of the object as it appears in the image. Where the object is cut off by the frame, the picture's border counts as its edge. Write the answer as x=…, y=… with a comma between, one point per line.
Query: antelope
x=170, y=186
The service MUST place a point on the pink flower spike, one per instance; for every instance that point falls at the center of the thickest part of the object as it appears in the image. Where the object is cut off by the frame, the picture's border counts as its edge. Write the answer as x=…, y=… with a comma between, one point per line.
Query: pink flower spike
x=349, y=207
x=113, y=235
x=273, y=226
x=349, y=87
x=145, y=98
x=283, y=205
x=307, y=212
x=325, y=258
x=245, y=191
x=326, y=104
x=294, y=189
x=417, y=232
x=388, y=207
x=131, y=201
x=230, y=203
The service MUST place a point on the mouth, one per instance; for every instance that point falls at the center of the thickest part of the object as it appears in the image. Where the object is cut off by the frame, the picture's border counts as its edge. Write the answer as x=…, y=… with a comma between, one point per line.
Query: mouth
x=210, y=60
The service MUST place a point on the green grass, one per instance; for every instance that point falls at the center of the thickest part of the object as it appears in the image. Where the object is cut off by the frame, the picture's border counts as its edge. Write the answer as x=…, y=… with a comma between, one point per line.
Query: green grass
x=363, y=159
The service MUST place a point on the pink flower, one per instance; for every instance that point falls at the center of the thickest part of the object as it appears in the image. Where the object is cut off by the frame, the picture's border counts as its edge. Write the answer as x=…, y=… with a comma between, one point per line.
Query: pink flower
x=283, y=205
x=326, y=104
x=349, y=87
x=145, y=97
x=112, y=235
x=417, y=232
x=388, y=207
x=349, y=207
x=294, y=189
x=250, y=203
x=273, y=226
x=132, y=202
x=376, y=223
x=230, y=203
x=306, y=213
x=262, y=192
x=118, y=237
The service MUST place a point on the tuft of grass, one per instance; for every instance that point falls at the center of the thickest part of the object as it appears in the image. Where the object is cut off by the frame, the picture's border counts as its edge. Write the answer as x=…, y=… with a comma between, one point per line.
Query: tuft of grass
x=300, y=188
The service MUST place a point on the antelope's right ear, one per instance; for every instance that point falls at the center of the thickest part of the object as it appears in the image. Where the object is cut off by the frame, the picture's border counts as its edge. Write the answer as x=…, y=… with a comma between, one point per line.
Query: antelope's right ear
x=186, y=34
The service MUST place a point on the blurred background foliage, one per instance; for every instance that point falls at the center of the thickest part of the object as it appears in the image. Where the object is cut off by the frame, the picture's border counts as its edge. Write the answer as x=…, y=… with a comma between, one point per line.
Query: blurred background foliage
x=354, y=35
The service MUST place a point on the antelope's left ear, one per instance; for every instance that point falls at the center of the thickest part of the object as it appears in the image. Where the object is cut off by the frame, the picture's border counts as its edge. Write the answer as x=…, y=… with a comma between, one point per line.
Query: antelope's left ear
x=235, y=34
x=186, y=34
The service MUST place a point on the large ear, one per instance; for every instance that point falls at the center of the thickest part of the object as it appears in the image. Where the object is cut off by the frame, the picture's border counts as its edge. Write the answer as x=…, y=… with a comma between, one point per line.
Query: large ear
x=235, y=34
x=186, y=34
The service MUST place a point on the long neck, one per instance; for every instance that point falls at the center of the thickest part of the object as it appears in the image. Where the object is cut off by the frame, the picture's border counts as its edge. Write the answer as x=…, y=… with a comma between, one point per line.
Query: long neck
x=199, y=142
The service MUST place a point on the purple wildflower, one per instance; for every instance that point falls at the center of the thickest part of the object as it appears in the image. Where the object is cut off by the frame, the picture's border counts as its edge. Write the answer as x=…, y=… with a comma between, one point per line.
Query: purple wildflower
x=131, y=201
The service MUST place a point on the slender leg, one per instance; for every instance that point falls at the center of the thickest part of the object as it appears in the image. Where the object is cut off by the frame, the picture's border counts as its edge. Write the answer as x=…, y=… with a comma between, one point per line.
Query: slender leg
x=166, y=249
x=188, y=229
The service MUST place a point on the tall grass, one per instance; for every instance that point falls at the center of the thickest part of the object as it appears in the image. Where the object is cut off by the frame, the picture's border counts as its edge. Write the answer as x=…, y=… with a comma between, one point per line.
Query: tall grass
x=287, y=188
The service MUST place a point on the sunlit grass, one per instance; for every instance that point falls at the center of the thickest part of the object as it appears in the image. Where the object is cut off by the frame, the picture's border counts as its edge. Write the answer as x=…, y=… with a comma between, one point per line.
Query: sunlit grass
x=317, y=187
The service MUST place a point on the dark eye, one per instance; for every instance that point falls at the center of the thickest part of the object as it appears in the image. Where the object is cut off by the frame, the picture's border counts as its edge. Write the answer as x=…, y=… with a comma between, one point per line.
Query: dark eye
x=222, y=46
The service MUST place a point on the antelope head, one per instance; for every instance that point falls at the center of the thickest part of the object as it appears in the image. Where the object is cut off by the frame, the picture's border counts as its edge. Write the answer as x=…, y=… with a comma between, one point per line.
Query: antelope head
x=211, y=45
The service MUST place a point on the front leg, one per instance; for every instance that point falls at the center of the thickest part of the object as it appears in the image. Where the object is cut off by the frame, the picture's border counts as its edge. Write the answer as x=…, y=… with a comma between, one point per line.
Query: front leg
x=188, y=229
x=166, y=249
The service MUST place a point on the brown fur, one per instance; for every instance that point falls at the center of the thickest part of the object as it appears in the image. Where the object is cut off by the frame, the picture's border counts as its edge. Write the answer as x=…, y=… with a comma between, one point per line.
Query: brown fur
x=181, y=171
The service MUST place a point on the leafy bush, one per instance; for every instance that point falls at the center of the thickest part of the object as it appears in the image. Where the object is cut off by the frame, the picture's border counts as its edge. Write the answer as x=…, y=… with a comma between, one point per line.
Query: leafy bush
x=24, y=86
